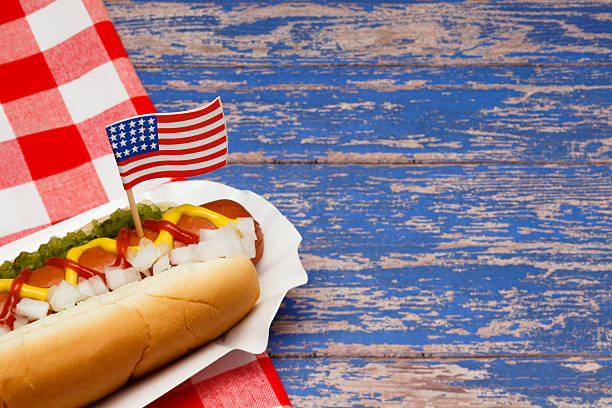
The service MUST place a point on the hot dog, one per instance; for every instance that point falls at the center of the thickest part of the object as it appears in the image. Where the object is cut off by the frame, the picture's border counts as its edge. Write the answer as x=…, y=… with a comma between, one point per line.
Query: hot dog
x=148, y=316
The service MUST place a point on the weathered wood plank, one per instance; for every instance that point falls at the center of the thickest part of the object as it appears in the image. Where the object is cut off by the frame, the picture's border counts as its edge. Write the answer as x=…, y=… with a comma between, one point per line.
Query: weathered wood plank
x=390, y=32
x=443, y=260
x=400, y=114
x=416, y=272
x=520, y=383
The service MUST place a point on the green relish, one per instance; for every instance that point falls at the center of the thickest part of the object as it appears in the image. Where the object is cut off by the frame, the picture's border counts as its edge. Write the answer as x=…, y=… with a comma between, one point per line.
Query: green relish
x=59, y=246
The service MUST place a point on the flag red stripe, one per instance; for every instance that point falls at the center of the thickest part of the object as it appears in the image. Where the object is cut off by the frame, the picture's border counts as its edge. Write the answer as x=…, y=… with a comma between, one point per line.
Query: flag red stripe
x=140, y=157
x=181, y=152
x=176, y=173
x=177, y=117
x=207, y=122
x=181, y=138
x=193, y=138
x=175, y=162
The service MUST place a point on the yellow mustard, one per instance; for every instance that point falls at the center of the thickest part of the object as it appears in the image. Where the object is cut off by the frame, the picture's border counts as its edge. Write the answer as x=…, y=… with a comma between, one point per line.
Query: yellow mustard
x=110, y=245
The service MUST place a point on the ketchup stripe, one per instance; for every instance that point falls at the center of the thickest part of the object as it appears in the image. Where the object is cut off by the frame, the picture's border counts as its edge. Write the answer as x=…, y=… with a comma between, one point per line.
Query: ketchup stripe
x=8, y=311
x=123, y=240
x=179, y=234
x=77, y=267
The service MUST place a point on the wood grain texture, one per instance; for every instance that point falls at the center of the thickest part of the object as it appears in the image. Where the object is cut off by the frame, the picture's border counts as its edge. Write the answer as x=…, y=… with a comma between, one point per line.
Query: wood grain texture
x=449, y=166
x=443, y=260
x=363, y=32
x=401, y=114
x=488, y=383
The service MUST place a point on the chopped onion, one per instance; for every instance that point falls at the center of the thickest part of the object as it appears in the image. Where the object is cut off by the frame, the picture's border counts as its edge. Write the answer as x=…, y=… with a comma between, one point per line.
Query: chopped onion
x=4, y=329
x=130, y=254
x=117, y=277
x=32, y=309
x=92, y=287
x=231, y=226
x=226, y=241
x=225, y=231
x=20, y=321
x=86, y=289
x=217, y=248
x=164, y=248
x=205, y=250
x=208, y=234
x=246, y=226
x=229, y=230
x=146, y=256
x=144, y=241
x=63, y=296
x=183, y=255
x=98, y=285
x=247, y=242
x=162, y=264
x=232, y=240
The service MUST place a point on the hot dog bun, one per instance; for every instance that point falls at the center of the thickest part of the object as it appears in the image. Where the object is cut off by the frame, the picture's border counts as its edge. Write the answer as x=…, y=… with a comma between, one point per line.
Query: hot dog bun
x=82, y=354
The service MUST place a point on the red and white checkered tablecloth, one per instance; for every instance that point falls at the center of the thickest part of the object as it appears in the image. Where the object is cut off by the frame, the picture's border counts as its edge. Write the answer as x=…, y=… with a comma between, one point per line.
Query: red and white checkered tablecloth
x=239, y=379
x=64, y=75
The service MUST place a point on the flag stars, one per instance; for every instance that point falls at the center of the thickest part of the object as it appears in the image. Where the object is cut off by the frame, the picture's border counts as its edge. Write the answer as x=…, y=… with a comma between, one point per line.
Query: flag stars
x=133, y=137
x=143, y=141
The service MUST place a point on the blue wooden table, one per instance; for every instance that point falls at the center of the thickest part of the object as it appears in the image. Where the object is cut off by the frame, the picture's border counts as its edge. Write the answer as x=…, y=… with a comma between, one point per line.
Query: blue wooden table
x=448, y=165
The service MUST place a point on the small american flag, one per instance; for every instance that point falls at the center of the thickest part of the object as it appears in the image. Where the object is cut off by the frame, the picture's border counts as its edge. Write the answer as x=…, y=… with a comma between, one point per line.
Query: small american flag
x=180, y=144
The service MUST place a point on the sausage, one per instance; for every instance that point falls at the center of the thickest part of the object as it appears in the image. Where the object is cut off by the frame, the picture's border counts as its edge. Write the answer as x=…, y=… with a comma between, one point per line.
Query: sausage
x=103, y=342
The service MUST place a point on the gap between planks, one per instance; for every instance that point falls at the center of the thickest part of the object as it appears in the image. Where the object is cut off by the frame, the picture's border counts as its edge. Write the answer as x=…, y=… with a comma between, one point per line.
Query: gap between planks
x=372, y=65
x=373, y=160
x=438, y=357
